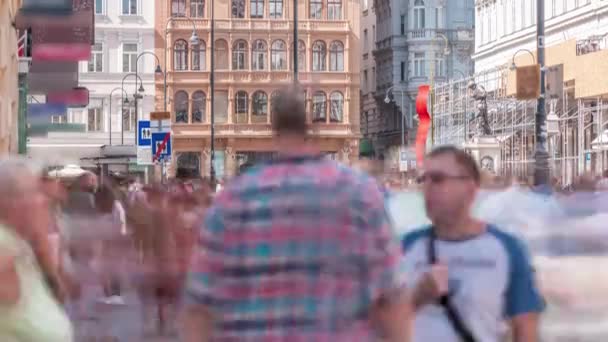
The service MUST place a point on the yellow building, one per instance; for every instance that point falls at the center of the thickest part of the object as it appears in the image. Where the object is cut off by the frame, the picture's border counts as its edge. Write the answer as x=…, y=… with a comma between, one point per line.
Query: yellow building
x=9, y=94
x=254, y=59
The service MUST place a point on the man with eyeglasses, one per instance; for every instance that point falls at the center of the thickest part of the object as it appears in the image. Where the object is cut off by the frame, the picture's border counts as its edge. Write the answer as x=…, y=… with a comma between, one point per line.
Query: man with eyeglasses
x=468, y=278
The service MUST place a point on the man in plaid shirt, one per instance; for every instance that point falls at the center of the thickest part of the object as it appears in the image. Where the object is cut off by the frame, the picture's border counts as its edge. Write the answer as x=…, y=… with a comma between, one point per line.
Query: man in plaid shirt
x=296, y=250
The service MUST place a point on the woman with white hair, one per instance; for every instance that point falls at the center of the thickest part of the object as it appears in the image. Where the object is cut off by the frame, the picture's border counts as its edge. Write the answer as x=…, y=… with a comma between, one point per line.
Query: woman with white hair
x=30, y=285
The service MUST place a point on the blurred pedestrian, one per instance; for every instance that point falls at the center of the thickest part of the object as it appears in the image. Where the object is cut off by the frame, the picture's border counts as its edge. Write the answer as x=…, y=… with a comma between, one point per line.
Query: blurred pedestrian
x=30, y=284
x=299, y=249
x=467, y=276
x=112, y=251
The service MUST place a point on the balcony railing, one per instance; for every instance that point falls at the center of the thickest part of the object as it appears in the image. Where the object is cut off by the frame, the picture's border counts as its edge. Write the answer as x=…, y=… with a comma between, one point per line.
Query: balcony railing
x=265, y=76
x=257, y=129
x=262, y=25
x=451, y=34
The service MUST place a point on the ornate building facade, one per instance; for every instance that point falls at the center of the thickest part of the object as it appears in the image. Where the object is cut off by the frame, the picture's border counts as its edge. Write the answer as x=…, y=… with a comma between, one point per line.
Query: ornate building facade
x=9, y=96
x=254, y=59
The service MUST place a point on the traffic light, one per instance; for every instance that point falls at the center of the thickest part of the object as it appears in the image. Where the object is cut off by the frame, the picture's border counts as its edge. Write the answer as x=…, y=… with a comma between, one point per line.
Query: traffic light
x=528, y=82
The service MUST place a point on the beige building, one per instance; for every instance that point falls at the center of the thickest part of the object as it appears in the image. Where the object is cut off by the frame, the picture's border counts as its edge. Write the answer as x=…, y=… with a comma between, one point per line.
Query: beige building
x=9, y=93
x=254, y=59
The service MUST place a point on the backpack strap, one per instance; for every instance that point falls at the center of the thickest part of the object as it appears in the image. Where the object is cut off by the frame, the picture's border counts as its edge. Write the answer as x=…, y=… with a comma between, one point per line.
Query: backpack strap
x=450, y=310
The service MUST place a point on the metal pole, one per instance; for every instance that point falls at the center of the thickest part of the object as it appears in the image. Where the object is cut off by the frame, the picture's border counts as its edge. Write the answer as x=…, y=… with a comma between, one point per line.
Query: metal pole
x=402, y=120
x=295, y=41
x=110, y=121
x=541, y=158
x=22, y=122
x=212, y=89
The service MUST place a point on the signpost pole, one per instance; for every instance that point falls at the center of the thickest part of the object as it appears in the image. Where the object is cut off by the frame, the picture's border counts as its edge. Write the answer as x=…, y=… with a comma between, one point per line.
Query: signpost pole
x=22, y=122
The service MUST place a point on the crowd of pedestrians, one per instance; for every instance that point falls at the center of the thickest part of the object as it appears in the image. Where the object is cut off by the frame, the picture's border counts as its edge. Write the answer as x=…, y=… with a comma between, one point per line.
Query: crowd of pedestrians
x=299, y=249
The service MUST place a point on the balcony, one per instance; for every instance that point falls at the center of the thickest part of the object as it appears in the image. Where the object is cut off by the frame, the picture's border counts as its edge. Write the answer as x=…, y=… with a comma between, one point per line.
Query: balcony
x=257, y=130
x=463, y=34
x=258, y=77
x=265, y=25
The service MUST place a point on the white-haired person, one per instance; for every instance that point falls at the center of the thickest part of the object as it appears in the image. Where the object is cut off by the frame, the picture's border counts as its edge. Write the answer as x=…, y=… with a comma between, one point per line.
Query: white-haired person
x=30, y=285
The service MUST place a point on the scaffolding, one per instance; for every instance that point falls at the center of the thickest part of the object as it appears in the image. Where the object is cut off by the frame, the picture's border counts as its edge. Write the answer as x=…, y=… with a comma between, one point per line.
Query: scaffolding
x=578, y=128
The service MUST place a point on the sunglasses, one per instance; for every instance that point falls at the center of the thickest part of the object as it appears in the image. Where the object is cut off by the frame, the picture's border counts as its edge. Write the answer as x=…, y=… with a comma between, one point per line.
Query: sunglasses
x=439, y=177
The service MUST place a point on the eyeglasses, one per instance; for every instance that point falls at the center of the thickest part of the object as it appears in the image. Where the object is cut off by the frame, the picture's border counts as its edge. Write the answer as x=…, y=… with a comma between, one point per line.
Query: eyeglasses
x=439, y=177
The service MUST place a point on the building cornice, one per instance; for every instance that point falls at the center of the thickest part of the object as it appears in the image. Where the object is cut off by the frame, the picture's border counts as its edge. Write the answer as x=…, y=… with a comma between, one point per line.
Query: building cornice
x=529, y=35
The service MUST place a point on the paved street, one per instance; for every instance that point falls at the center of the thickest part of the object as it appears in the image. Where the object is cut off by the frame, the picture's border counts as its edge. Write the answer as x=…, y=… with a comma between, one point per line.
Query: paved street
x=120, y=321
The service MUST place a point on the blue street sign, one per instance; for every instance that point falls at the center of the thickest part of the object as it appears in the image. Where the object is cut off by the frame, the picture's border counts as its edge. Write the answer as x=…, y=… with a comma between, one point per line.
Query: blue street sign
x=144, y=134
x=158, y=140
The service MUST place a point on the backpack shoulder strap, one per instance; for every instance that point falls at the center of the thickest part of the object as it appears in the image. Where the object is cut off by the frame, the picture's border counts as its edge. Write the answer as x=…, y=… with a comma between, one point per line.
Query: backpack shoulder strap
x=453, y=315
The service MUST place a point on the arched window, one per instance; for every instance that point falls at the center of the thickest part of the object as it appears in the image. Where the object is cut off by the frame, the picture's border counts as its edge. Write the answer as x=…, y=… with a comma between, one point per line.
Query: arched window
x=239, y=55
x=189, y=164
x=221, y=55
x=275, y=8
x=178, y=8
x=278, y=55
x=273, y=97
x=301, y=56
x=319, y=106
x=180, y=105
x=334, y=9
x=199, y=57
x=259, y=103
x=238, y=9
x=241, y=106
x=336, y=101
x=336, y=56
x=180, y=55
x=199, y=100
x=319, y=54
x=259, y=55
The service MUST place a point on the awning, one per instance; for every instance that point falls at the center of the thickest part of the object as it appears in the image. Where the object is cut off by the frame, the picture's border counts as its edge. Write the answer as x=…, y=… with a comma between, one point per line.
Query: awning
x=366, y=147
x=63, y=154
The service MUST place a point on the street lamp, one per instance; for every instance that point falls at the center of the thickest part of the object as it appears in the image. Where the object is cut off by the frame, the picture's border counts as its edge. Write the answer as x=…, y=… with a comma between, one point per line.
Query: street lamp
x=387, y=100
x=122, y=126
x=194, y=41
x=110, y=115
x=513, y=66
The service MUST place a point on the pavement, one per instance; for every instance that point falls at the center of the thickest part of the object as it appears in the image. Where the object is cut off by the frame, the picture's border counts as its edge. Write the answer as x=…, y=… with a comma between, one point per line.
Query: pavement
x=94, y=321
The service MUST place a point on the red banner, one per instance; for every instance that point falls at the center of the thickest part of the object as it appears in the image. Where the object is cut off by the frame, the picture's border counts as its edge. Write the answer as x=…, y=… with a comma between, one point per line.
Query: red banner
x=422, y=101
x=77, y=97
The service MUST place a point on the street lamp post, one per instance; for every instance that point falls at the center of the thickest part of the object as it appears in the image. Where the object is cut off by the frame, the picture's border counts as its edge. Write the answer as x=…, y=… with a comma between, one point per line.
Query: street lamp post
x=194, y=41
x=212, y=89
x=141, y=90
x=110, y=115
x=157, y=71
x=541, y=156
x=513, y=65
x=387, y=100
x=295, y=41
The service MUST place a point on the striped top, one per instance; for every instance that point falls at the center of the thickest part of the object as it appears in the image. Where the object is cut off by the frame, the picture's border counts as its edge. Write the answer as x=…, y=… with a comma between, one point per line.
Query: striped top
x=295, y=250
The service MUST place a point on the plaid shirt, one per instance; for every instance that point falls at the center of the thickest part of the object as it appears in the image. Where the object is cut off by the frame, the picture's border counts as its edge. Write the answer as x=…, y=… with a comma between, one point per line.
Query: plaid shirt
x=296, y=250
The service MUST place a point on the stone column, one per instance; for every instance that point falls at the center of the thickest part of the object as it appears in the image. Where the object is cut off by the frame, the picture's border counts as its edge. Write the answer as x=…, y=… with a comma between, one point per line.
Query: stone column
x=205, y=162
x=349, y=152
x=230, y=162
